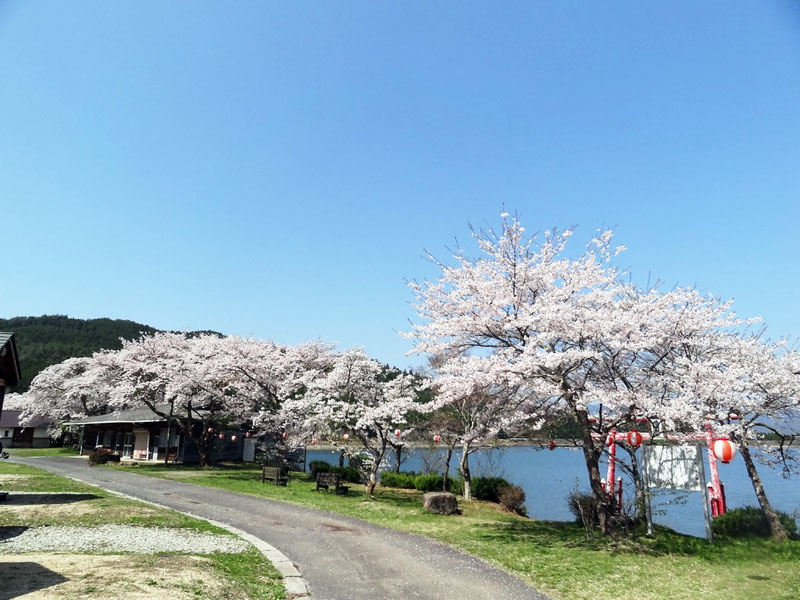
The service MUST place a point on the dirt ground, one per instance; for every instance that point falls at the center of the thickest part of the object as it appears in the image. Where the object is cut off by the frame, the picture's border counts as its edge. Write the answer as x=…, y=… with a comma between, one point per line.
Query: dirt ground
x=51, y=506
x=122, y=577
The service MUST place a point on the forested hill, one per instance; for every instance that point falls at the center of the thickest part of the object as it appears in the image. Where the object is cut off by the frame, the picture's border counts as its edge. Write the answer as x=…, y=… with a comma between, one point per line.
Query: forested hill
x=49, y=339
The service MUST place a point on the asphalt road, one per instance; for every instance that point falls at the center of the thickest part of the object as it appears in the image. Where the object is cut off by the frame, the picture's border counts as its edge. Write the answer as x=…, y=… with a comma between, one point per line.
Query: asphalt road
x=341, y=558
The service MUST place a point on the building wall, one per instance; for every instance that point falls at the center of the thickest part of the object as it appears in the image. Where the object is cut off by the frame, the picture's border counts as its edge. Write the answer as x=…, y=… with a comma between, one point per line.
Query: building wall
x=40, y=438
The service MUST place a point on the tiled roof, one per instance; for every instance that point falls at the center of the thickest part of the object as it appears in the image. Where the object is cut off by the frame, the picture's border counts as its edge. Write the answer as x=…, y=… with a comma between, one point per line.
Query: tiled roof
x=134, y=415
x=10, y=418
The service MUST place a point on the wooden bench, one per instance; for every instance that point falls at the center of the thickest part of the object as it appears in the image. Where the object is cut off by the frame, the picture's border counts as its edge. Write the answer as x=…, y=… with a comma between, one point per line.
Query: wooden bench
x=331, y=480
x=274, y=474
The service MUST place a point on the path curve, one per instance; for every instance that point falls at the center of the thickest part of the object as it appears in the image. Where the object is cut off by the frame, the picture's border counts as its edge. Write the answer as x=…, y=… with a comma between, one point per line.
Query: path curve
x=341, y=558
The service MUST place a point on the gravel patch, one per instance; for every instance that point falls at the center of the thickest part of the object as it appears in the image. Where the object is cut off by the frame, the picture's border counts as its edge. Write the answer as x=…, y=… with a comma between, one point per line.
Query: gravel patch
x=116, y=538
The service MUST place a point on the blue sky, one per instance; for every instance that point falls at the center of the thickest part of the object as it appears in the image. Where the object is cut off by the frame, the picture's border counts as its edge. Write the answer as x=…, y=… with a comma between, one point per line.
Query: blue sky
x=276, y=169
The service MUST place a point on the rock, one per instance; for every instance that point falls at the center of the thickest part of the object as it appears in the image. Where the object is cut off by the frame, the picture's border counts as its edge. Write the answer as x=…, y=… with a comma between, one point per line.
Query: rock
x=440, y=503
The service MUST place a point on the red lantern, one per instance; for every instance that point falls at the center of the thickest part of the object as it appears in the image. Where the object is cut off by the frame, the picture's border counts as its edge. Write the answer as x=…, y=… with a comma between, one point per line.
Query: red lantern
x=285, y=435
x=248, y=435
x=437, y=438
x=313, y=441
x=210, y=430
x=724, y=450
x=346, y=437
x=234, y=438
x=551, y=445
x=221, y=436
x=634, y=438
x=397, y=432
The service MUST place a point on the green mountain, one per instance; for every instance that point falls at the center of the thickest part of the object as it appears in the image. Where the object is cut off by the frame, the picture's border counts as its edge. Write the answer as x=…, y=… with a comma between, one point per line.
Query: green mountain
x=50, y=339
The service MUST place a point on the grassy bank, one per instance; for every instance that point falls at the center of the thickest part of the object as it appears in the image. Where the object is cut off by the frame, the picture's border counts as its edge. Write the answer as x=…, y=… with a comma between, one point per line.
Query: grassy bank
x=242, y=576
x=554, y=557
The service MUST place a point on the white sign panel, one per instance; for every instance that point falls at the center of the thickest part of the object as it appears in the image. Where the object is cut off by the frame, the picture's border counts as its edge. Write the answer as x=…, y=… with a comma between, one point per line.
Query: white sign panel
x=674, y=467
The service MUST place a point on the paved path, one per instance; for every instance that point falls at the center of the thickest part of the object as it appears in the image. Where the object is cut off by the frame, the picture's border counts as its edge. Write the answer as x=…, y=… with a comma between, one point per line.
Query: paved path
x=340, y=557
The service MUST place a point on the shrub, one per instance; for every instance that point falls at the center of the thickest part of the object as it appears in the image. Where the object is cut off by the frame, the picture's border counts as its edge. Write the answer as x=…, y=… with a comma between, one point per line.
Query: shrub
x=486, y=488
x=350, y=474
x=513, y=498
x=398, y=480
x=455, y=485
x=430, y=482
x=750, y=522
x=101, y=456
x=319, y=466
x=583, y=508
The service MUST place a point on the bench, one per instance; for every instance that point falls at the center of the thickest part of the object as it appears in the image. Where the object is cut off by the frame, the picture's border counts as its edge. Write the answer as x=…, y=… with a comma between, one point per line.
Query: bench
x=274, y=474
x=331, y=480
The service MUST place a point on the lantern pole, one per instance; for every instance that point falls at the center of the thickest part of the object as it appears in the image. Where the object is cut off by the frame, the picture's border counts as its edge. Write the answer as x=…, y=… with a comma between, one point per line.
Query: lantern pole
x=612, y=461
x=712, y=465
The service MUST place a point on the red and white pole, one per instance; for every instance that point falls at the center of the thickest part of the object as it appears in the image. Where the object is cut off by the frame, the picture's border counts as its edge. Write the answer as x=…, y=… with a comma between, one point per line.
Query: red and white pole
x=611, y=442
x=717, y=507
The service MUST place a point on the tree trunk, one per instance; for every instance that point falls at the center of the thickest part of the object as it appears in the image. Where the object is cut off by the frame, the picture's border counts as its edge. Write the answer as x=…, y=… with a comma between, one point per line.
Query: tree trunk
x=398, y=458
x=372, y=482
x=446, y=474
x=465, y=471
x=591, y=456
x=776, y=529
x=341, y=459
x=169, y=431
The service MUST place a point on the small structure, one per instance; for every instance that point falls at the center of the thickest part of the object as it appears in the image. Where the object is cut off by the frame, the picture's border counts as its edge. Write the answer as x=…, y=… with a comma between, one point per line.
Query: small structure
x=142, y=434
x=14, y=435
x=10, y=373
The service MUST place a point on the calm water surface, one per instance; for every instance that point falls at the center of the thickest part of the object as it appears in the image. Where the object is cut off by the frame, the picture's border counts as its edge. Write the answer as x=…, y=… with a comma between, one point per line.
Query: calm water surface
x=549, y=476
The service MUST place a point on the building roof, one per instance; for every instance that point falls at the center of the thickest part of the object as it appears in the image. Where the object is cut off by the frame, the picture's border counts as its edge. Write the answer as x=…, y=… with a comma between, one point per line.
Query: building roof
x=10, y=418
x=9, y=360
x=134, y=415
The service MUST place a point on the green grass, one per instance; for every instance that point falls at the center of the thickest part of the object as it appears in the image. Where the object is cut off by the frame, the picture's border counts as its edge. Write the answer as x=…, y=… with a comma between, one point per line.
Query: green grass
x=554, y=557
x=28, y=452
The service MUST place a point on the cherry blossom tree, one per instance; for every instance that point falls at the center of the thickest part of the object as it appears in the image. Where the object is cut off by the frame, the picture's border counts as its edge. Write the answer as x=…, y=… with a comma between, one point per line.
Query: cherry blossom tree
x=525, y=320
x=359, y=397
x=476, y=401
x=74, y=388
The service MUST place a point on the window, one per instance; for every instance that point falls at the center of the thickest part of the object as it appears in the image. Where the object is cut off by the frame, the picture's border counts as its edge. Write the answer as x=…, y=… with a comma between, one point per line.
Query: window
x=127, y=448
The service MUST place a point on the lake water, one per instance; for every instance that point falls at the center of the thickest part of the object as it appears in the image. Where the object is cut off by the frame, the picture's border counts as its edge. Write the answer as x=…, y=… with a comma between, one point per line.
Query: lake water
x=549, y=476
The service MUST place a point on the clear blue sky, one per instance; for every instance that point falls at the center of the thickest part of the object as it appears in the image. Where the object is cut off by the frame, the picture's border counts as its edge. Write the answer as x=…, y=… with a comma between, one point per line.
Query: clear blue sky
x=276, y=169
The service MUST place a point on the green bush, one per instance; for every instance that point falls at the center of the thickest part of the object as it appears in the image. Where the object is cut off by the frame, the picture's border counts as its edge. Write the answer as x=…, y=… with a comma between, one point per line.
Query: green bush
x=350, y=474
x=319, y=466
x=750, y=522
x=455, y=486
x=486, y=488
x=398, y=480
x=430, y=482
x=426, y=482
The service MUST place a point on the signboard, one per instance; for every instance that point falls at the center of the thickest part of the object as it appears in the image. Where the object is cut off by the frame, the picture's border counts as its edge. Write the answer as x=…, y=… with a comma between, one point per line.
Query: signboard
x=674, y=467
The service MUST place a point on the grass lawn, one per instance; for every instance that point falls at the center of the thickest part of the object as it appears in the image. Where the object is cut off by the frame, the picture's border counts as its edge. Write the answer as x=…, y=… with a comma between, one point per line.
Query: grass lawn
x=246, y=576
x=22, y=452
x=554, y=557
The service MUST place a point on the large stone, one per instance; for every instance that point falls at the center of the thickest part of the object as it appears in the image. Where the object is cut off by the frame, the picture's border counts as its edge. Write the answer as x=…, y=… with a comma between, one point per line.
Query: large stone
x=440, y=503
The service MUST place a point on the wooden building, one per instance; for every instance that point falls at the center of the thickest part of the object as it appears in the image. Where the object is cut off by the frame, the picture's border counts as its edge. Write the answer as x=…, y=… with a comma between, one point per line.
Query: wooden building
x=141, y=434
